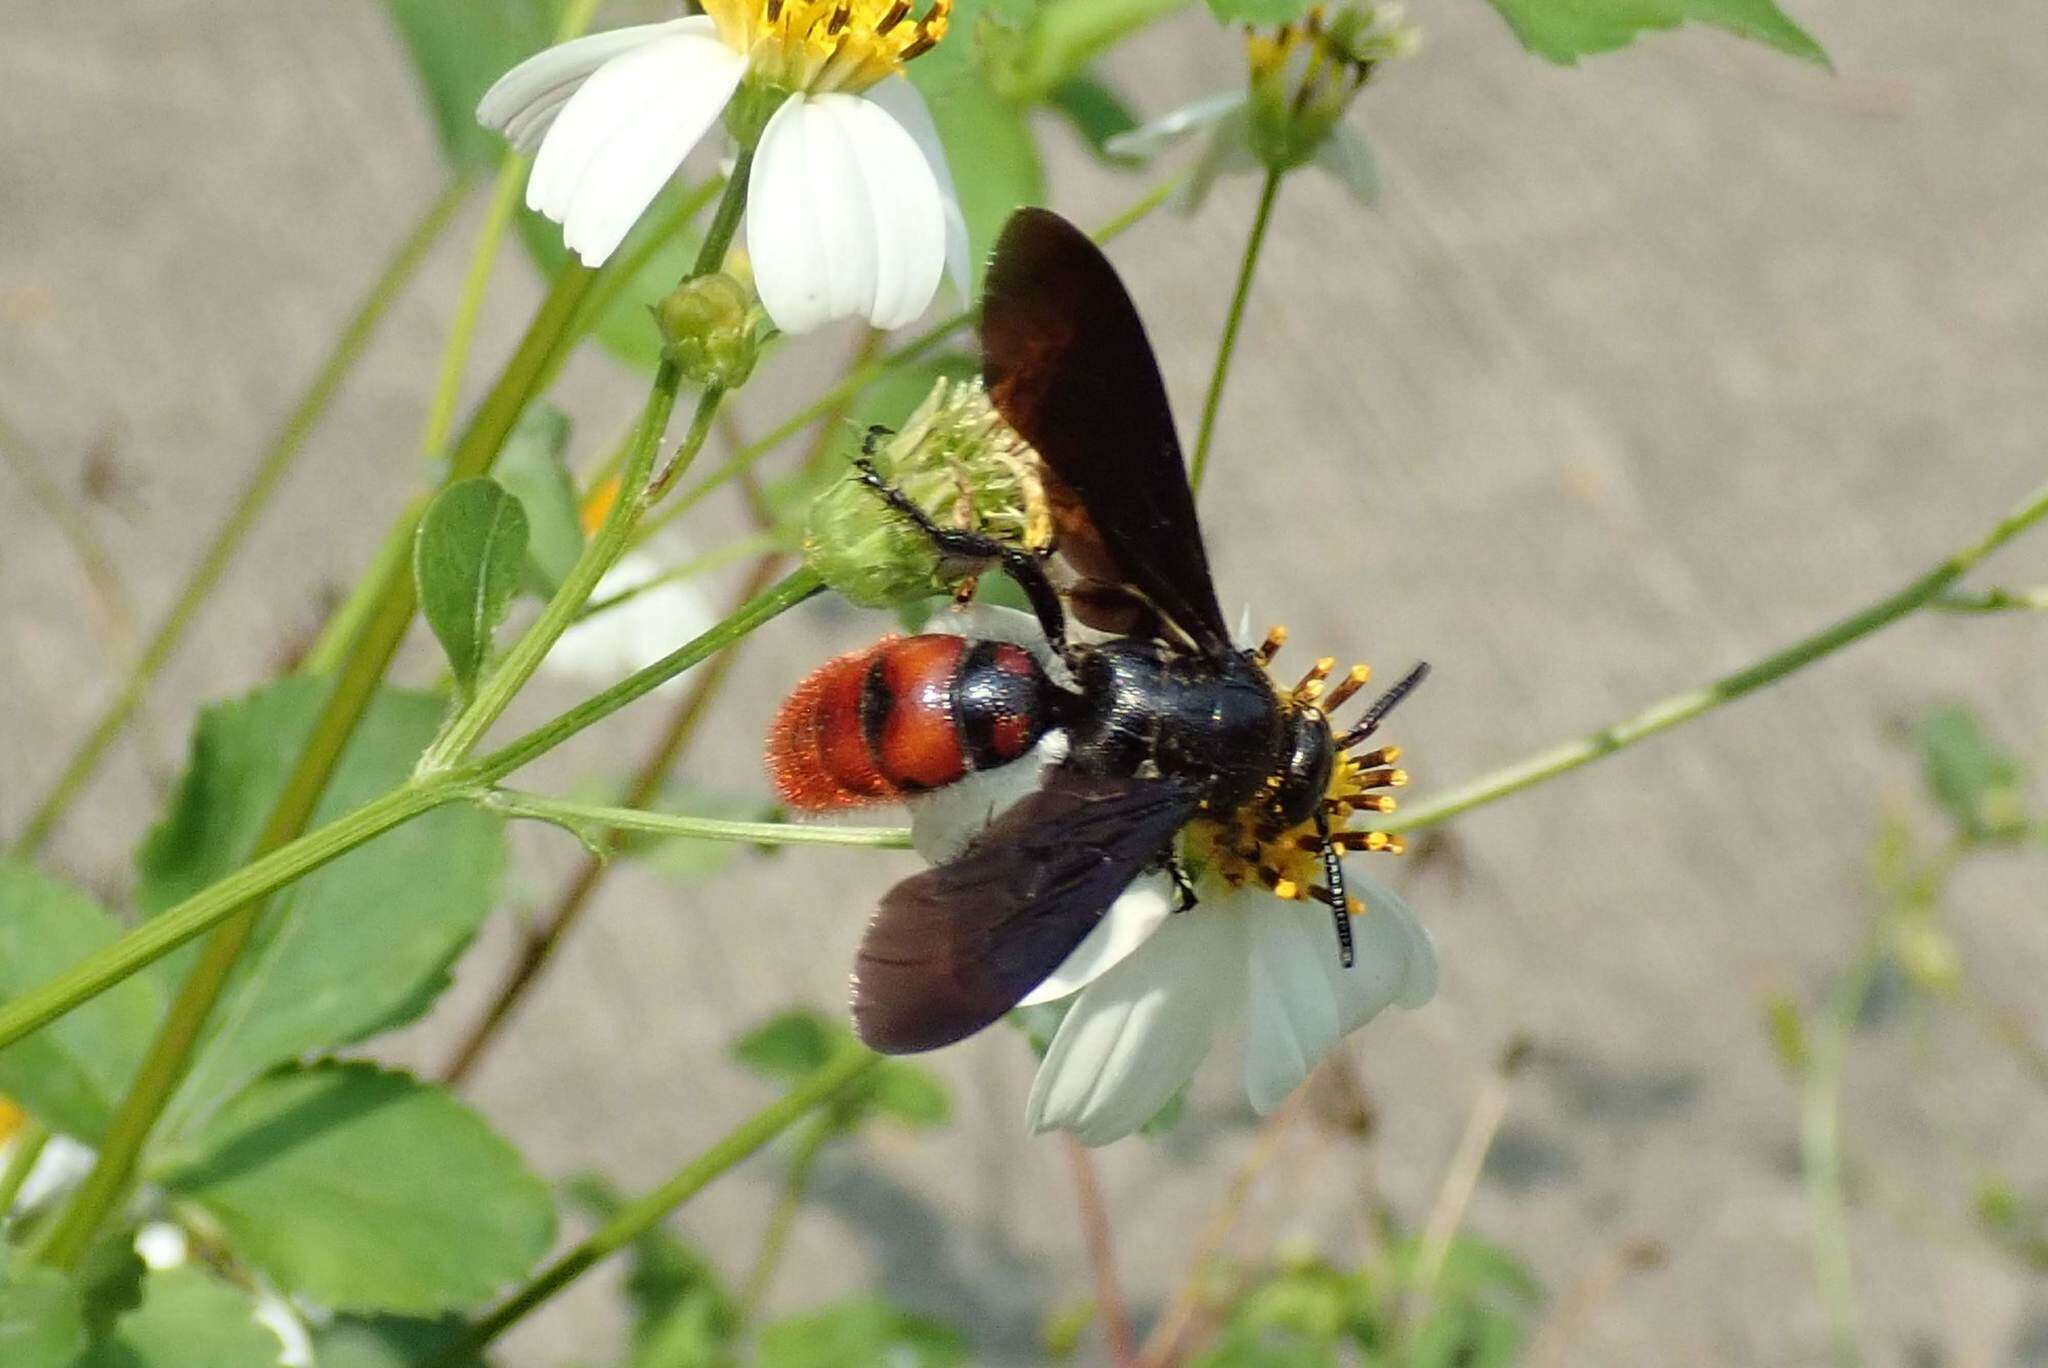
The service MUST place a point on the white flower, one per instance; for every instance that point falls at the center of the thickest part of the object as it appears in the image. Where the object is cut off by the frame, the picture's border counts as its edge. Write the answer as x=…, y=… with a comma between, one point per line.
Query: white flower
x=852, y=212
x=621, y=638
x=1151, y=987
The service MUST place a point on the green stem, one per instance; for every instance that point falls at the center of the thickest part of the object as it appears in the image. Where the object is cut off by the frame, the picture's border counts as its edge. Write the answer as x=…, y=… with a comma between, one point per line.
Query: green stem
x=1994, y=600
x=1820, y=1152
x=101, y=570
x=345, y=624
x=754, y=544
x=218, y=901
x=1232, y=324
x=642, y=1215
x=577, y=816
x=860, y=377
x=28, y=1147
x=783, y=1220
x=255, y=496
x=469, y=305
x=1683, y=707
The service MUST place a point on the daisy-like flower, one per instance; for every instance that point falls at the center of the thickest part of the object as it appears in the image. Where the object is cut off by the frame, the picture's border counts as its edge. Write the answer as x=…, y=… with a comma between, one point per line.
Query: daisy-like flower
x=1151, y=987
x=851, y=212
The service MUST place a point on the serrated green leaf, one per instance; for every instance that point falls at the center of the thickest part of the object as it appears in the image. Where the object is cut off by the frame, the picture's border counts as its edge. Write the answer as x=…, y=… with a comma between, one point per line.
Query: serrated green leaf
x=468, y=560
x=352, y=949
x=40, y=1324
x=865, y=1332
x=366, y=1190
x=71, y=1073
x=627, y=328
x=1565, y=30
x=387, y=1342
x=534, y=469
x=458, y=50
x=987, y=138
x=1978, y=782
x=187, y=1320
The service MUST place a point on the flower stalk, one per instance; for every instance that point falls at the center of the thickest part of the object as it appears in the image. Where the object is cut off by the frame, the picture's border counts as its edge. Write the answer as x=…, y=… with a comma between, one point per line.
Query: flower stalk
x=582, y=817
x=642, y=1215
x=1226, y=350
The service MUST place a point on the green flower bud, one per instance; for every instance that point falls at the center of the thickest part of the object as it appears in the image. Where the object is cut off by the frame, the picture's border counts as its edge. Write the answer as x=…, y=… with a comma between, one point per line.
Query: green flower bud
x=1304, y=75
x=707, y=330
x=958, y=461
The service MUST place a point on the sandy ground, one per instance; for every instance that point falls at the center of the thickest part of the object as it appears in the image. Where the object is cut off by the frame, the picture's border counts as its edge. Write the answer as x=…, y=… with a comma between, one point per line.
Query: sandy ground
x=1641, y=369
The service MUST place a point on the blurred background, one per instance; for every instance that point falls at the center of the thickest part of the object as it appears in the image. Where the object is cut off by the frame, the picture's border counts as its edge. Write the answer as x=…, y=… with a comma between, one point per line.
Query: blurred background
x=1635, y=372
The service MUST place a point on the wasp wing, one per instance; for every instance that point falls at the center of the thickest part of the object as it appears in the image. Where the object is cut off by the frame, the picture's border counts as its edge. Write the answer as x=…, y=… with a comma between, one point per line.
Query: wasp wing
x=952, y=949
x=1066, y=363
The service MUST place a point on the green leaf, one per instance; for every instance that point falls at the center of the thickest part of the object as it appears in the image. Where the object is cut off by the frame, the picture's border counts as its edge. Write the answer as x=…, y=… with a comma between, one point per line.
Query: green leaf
x=109, y=1280
x=534, y=470
x=683, y=1316
x=790, y=1047
x=627, y=327
x=1565, y=30
x=909, y=1094
x=1978, y=782
x=865, y=1332
x=987, y=138
x=386, y=1342
x=1062, y=37
x=71, y=1073
x=468, y=559
x=1097, y=113
x=40, y=1325
x=458, y=49
x=187, y=1320
x=367, y=1191
x=794, y=1045
x=354, y=948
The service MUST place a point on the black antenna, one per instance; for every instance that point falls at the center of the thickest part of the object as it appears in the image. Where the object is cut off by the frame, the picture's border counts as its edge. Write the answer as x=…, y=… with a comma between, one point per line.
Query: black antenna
x=1383, y=705
x=1340, y=905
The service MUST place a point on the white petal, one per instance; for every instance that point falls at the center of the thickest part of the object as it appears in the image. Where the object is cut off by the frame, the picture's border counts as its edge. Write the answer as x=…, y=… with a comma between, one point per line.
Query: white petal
x=943, y=821
x=905, y=105
x=1135, y=1035
x=1303, y=999
x=1148, y=140
x=1138, y=911
x=523, y=102
x=1346, y=155
x=1228, y=151
x=647, y=140
x=844, y=218
x=613, y=644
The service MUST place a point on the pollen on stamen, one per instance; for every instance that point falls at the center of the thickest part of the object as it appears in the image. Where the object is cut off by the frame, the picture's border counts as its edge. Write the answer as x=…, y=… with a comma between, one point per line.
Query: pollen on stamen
x=1358, y=678
x=1276, y=637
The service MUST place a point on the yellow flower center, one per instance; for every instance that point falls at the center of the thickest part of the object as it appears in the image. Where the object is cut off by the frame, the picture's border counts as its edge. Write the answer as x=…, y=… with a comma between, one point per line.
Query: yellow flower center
x=1246, y=847
x=824, y=45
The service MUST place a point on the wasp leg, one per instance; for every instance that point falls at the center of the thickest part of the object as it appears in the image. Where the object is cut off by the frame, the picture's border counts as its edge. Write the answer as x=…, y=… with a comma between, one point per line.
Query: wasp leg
x=1024, y=567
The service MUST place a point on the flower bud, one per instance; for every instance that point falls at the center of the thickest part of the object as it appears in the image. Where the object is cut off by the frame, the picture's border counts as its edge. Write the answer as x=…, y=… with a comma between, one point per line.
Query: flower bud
x=707, y=330
x=1304, y=75
x=958, y=461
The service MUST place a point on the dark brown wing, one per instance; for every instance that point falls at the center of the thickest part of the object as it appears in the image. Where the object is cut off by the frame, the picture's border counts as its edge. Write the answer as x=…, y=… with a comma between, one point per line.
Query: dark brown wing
x=953, y=948
x=1067, y=365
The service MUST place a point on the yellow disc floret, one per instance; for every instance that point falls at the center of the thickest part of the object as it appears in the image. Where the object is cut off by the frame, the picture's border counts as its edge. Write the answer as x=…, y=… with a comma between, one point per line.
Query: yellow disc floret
x=1247, y=846
x=826, y=45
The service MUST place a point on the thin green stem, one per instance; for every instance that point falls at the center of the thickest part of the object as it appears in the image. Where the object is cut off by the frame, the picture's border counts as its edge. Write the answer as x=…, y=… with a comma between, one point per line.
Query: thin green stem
x=642, y=1215
x=101, y=570
x=21, y=1161
x=469, y=306
x=1232, y=324
x=754, y=544
x=582, y=816
x=255, y=496
x=775, y=1240
x=1684, y=707
x=1994, y=600
x=215, y=903
x=345, y=624
x=860, y=377
x=1820, y=1152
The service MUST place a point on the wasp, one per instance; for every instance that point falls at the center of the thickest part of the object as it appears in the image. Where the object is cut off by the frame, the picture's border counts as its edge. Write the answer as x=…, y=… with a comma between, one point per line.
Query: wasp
x=1168, y=723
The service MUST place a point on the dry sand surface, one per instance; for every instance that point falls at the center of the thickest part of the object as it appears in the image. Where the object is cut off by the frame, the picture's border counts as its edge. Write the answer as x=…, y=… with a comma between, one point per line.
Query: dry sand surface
x=1640, y=370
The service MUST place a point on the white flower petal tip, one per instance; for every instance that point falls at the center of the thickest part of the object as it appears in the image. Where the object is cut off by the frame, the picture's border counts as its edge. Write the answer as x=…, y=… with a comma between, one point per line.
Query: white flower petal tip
x=1131, y=920
x=620, y=136
x=904, y=104
x=845, y=217
x=1135, y=1035
x=523, y=102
